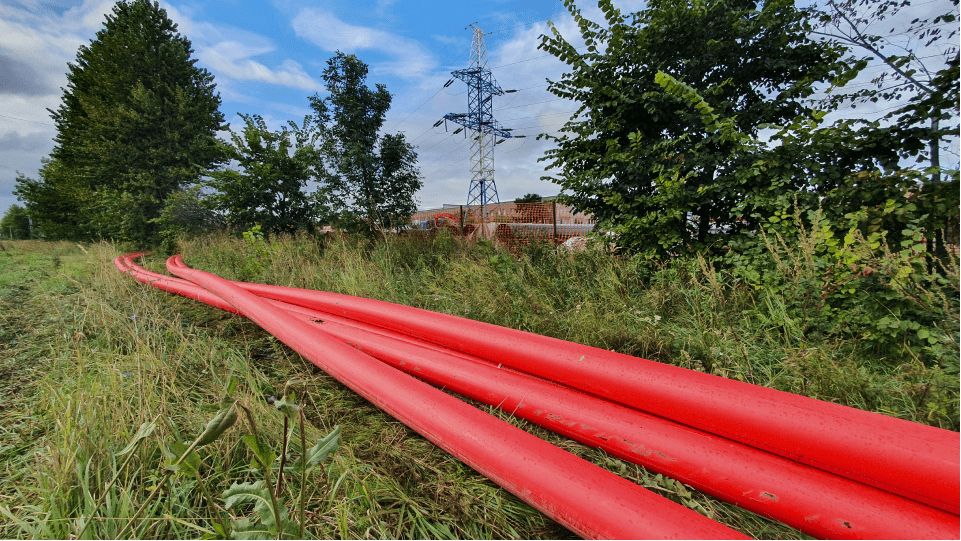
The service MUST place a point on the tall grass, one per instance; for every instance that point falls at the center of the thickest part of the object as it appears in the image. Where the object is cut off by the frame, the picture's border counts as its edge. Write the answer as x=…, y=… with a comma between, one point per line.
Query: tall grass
x=691, y=313
x=90, y=355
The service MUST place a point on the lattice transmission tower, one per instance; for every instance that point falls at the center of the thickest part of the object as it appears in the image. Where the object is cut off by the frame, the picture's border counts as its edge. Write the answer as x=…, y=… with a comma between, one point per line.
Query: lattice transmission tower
x=481, y=88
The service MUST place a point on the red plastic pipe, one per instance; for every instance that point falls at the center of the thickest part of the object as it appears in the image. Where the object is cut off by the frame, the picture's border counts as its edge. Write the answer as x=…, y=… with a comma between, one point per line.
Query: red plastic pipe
x=177, y=286
x=814, y=501
x=916, y=461
x=811, y=500
x=584, y=498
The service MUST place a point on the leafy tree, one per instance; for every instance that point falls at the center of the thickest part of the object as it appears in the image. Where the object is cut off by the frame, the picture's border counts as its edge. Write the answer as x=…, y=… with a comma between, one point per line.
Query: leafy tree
x=274, y=170
x=639, y=157
x=371, y=179
x=136, y=122
x=15, y=224
x=528, y=209
x=53, y=205
x=915, y=128
x=933, y=92
x=529, y=198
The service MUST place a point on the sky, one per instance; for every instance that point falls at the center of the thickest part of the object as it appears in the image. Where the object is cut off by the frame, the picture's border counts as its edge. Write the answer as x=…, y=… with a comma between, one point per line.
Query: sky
x=267, y=57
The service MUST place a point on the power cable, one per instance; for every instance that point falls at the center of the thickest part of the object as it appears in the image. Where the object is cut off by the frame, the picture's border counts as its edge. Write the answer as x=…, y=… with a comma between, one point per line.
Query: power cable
x=30, y=121
x=521, y=26
x=417, y=140
x=535, y=103
x=435, y=144
x=418, y=109
x=540, y=116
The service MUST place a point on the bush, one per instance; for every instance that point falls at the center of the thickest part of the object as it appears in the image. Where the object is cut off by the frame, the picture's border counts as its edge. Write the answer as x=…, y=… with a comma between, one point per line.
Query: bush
x=186, y=214
x=818, y=277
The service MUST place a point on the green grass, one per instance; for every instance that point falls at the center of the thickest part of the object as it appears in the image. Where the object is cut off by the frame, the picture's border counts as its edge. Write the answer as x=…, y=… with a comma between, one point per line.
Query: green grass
x=88, y=355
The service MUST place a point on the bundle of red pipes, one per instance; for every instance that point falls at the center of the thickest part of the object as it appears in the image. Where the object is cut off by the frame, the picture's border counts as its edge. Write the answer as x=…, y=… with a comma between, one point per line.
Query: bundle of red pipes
x=828, y=470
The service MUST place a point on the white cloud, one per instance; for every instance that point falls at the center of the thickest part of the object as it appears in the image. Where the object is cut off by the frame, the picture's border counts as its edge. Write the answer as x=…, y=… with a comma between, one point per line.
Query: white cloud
x=447, y=39
x=330, y=33
x=383, y=8
x=411, y=60
x=228, y=53
x=36, y=43
x=233, y=59
x=516, y=63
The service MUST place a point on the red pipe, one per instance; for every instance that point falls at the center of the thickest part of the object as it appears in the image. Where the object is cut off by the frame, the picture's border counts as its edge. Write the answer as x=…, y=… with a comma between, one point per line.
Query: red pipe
x=816, y=502
x=177, y=286
x=916, y=461
x=813, y=501
x=584, y=498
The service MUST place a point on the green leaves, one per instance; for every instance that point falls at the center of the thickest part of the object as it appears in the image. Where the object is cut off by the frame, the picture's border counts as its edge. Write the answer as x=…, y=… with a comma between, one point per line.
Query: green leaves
x=271, y=518
x=264, y=457
x=181, y=458
x=263, y=524
x=145, y=430
x=224, y=419
x=323, y=448
x=15, y=224
x=680, y=92
x=371, y=179
x=275, y=167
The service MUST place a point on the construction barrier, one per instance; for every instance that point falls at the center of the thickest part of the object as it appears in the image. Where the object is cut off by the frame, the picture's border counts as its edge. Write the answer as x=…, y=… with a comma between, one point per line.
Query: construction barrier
x=513, y=225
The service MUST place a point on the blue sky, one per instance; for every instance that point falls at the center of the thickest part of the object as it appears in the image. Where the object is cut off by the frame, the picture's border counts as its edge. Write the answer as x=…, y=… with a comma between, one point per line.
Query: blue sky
x=267, y=57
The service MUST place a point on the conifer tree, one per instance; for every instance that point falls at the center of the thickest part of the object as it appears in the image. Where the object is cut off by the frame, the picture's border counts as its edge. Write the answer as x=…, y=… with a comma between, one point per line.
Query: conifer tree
x=137, y=121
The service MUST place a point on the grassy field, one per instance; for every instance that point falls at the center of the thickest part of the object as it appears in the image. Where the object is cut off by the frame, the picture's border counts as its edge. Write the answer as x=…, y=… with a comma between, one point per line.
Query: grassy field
x=92, y=361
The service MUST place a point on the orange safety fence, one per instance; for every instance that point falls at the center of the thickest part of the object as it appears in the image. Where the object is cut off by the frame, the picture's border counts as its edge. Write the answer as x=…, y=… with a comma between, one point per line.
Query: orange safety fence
x=513, y=225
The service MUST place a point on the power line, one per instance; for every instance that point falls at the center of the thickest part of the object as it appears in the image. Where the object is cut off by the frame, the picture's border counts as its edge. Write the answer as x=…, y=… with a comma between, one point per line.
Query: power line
x=418, y=108
x=434, y=145
x=522, y=26
x=551, y=124
x=430, y=129
x=535, y=103
x=30, y=121
x=536, y=58
x=519, y=146
x=409, y=100
x=442, y=157
x=540, y=116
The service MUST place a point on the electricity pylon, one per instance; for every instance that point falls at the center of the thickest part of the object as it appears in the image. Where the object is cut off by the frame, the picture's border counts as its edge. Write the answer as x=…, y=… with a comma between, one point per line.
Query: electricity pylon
x=481, y=88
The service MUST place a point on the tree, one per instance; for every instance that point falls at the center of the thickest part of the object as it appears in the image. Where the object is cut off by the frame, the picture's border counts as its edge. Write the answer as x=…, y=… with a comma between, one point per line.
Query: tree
x=915, y=127
x=933, y=92
x=371, y=179
x=529, y=210
x=275, y=168
x=15, y=224
x=137, y=121
x=53, y=205
x=638, y=156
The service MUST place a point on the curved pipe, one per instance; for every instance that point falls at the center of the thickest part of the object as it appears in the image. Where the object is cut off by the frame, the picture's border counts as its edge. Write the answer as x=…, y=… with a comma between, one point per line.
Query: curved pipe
x=811, y=500
x=913, y=460
x=177, y=286
x=584, y=498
